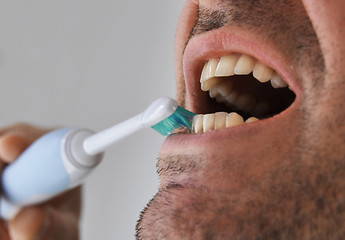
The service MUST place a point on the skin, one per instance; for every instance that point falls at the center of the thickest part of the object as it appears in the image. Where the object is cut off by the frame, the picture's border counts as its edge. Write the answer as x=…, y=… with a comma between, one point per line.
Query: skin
x=258, y=181
x=56, y=219
x=279, y=178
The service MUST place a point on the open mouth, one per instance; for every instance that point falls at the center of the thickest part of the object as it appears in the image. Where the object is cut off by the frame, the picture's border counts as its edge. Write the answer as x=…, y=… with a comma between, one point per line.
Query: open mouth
x=241, y=90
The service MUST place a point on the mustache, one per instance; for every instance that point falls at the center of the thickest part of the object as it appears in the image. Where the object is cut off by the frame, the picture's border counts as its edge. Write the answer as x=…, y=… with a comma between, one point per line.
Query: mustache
x=292, y=31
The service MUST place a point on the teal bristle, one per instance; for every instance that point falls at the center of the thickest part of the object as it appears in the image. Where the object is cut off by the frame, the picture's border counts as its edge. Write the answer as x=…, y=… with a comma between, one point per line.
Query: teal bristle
x=181, y=119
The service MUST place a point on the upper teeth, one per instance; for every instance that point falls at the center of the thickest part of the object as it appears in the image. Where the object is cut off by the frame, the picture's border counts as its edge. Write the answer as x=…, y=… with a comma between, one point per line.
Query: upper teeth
x=238, y=64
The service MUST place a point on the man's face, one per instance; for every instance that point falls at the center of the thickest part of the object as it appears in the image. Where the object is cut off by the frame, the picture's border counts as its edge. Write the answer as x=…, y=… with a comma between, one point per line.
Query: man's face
x=281, y=177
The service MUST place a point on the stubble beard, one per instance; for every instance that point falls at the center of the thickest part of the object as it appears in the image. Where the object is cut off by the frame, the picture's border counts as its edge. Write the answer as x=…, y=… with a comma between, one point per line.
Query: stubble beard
x=305, y=198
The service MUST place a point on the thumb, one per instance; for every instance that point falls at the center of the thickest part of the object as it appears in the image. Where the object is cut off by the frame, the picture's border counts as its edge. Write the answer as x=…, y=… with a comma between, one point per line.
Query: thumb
x=44, y=222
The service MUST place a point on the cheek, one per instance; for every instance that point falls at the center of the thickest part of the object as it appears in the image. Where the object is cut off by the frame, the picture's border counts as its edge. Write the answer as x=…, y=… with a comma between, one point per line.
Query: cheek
x=328, y=19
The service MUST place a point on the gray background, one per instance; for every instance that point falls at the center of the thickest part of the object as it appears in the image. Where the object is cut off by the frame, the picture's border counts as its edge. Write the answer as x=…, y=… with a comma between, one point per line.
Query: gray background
x=92, y=63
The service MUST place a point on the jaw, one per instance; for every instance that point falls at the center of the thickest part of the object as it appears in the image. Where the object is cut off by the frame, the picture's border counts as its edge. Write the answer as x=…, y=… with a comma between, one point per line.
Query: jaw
x=232, y=168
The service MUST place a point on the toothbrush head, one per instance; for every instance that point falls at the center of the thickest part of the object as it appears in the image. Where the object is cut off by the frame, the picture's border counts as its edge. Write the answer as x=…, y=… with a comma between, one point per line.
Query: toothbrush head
x=180, y=119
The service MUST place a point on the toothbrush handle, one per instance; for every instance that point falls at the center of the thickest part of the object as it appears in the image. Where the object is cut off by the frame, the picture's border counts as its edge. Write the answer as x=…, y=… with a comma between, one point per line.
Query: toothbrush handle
x=100, y=141
x=47, y=168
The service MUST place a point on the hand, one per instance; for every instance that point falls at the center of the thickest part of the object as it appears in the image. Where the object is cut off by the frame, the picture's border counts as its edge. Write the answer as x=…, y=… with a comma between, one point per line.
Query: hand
x=56, y=219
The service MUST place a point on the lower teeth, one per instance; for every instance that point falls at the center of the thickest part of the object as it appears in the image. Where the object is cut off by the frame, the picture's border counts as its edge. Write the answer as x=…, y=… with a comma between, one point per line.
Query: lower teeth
x=214, y=121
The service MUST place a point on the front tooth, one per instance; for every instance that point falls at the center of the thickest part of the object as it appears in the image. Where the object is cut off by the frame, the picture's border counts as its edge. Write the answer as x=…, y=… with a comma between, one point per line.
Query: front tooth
x=262, y=72
x=233, y=119
x=197, y=123
x=209, y=70
x=226, y=65
x=245, y=65
x=207, y=78
x=209, y=83
x=208, y=122
x=220, y=120
x=251, y=119
x=278, y=82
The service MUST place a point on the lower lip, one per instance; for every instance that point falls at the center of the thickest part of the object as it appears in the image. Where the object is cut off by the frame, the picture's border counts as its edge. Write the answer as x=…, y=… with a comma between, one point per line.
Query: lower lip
x=182, y=140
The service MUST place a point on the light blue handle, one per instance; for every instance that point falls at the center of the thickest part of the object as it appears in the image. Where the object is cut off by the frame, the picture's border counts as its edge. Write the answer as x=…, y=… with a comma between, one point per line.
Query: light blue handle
x=39, y=172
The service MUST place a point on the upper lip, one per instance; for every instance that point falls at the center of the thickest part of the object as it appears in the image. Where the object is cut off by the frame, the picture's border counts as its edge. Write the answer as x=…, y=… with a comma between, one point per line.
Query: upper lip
x=220, y=42
x=199, y=50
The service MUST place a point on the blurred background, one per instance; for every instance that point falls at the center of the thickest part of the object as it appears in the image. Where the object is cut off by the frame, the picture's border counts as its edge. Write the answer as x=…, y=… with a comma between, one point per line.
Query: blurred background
x=92, y=63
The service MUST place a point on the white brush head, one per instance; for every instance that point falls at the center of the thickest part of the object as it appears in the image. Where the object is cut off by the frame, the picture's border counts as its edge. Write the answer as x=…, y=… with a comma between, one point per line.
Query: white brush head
x=156, y=112
x=159, y=110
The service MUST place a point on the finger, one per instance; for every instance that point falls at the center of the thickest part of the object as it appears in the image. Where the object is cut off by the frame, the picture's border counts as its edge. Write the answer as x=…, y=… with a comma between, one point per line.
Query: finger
x=27, y=131
x=60, y=214
x=63, y=225
x=68, y=201
x=44, y=223
x=28, y=223
x=3, y=232
x=11, y=146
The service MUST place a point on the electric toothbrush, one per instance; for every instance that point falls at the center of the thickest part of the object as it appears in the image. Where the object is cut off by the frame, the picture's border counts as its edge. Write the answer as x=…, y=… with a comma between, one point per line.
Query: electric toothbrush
x=60, y=160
